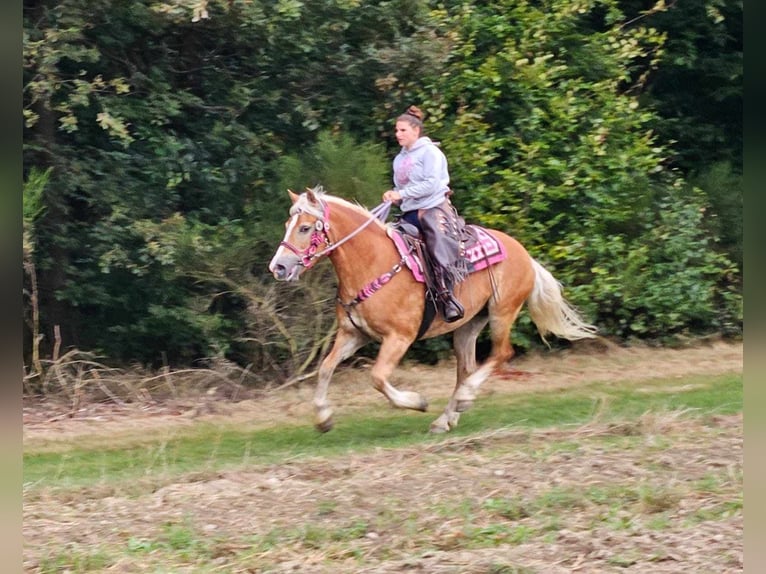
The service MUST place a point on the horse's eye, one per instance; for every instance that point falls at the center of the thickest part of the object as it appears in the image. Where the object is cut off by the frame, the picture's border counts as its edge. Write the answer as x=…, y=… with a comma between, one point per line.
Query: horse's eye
x=304, y=228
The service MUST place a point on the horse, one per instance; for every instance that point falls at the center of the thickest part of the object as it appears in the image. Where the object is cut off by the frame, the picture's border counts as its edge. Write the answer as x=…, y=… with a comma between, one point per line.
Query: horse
x=379, y=298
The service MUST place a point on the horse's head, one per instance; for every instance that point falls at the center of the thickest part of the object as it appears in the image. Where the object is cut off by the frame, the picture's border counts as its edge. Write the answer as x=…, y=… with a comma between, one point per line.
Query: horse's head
x=305, y=235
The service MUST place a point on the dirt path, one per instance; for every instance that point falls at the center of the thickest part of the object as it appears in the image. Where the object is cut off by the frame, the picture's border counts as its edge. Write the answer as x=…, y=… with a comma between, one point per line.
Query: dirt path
x=662, y=494
x=351, y=390
x=503, y=502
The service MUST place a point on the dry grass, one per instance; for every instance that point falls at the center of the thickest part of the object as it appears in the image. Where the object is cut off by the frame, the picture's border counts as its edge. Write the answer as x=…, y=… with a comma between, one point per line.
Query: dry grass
x=660, y=493
x=581, y=500
x=200, y=397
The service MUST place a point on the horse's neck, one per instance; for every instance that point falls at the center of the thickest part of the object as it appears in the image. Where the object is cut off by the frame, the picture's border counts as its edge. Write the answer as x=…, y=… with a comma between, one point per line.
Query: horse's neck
x=365, y=256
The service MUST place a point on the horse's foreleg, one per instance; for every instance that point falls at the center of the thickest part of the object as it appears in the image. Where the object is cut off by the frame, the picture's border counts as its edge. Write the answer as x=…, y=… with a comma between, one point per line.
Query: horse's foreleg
x=464, y=343
x=392, y=349
x=347, y=342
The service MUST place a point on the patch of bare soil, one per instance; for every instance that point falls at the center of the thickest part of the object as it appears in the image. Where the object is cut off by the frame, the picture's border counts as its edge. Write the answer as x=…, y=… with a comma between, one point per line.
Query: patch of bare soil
x=51, y=423
x=652, y=497
x=661, y=495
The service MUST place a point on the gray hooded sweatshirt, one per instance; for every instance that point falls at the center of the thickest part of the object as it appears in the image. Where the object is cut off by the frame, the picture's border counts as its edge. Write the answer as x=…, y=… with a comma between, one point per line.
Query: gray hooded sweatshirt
x=421, y=176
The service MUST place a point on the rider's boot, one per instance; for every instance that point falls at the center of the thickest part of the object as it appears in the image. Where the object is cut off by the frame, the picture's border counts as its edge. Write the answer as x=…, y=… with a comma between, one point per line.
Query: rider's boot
x=451, y=308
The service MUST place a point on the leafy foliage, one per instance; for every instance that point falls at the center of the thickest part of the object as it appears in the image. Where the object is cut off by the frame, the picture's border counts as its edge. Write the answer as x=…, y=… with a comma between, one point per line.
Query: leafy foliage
x=170, y=130
x=698, y=94
x=145, y=116
x=561, y=155
x=722, y=183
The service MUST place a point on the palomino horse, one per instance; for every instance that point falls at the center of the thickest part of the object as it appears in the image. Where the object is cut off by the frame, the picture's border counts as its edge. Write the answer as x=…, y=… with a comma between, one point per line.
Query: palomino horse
x=378, y=302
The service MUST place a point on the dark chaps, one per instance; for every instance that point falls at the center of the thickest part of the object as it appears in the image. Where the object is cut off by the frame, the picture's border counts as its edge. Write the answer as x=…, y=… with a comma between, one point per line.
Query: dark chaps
x=443, y=231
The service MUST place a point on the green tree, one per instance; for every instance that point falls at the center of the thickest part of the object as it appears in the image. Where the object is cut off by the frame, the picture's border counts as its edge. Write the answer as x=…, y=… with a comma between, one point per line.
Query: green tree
x=697, y=91
x=32, y=209
x=171, y=128
x=143, y=113
x=542, y=120
x=697, y=88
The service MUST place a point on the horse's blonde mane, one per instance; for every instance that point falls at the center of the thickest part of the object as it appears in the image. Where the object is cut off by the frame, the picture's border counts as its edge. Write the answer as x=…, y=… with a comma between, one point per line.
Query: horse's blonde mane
x=305, y=206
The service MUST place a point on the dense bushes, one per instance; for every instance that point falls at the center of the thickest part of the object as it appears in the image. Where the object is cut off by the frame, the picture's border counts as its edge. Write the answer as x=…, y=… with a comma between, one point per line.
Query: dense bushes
x=548, y=141
x=170, y=144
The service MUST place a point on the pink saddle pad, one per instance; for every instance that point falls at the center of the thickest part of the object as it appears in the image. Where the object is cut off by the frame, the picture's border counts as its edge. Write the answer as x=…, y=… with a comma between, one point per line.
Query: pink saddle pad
x=481, y=251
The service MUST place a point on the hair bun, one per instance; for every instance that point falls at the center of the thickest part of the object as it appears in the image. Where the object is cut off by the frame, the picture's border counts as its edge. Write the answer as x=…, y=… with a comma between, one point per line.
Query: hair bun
x=415, y=112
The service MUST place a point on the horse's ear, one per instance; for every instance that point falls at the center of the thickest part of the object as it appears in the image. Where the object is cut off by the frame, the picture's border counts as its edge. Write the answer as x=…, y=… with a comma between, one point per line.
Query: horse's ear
x=293, y=196
x=310, y=195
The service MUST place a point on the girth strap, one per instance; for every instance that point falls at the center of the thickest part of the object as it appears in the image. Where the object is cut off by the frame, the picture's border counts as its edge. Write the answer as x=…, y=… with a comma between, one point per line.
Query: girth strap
x=429, y=313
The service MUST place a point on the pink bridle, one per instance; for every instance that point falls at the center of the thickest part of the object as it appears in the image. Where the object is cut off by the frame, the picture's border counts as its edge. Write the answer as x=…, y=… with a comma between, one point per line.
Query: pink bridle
x=310, y=255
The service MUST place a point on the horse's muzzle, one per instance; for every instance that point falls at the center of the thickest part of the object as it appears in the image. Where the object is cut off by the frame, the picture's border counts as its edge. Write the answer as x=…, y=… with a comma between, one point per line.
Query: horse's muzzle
x=282, y=273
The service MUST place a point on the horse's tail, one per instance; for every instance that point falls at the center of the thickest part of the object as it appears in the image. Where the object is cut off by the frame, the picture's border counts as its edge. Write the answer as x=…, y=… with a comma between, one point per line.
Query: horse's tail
x=551, y=313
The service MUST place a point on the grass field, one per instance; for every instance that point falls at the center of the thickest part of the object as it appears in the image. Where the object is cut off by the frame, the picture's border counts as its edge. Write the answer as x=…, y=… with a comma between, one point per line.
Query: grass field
x=621, y=474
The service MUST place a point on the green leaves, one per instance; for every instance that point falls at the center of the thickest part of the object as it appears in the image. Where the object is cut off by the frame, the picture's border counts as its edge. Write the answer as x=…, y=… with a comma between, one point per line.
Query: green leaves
x=171, y=143
x=549, y=143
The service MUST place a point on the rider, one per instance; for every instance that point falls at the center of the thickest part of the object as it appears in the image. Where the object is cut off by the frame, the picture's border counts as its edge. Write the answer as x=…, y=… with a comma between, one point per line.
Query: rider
x=421, y=183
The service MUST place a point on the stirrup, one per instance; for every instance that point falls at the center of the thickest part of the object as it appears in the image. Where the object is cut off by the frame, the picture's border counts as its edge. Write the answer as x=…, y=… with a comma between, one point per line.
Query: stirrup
x=451, y=310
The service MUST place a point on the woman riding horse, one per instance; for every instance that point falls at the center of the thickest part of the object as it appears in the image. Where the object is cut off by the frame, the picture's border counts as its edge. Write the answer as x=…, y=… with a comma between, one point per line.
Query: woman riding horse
x=421, y=182
x=380, y=299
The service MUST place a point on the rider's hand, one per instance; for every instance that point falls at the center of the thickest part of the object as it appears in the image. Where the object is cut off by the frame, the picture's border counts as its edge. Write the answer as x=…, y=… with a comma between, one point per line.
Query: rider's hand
x=392, y=195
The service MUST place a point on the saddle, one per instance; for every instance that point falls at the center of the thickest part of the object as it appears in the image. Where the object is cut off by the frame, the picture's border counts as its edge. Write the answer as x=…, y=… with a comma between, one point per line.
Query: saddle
x=478, y=250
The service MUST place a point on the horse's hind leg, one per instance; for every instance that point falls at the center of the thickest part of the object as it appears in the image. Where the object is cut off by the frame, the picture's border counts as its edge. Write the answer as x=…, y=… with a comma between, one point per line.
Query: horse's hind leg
x=500, y=331
x=392, y=349
x=347, y=342
x=464, y=343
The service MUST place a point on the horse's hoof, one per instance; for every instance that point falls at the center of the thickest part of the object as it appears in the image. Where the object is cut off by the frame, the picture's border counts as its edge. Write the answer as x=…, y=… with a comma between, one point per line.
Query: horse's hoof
x=423, y=405
x=463, y=406
x=438, y=429
x=325, y=425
